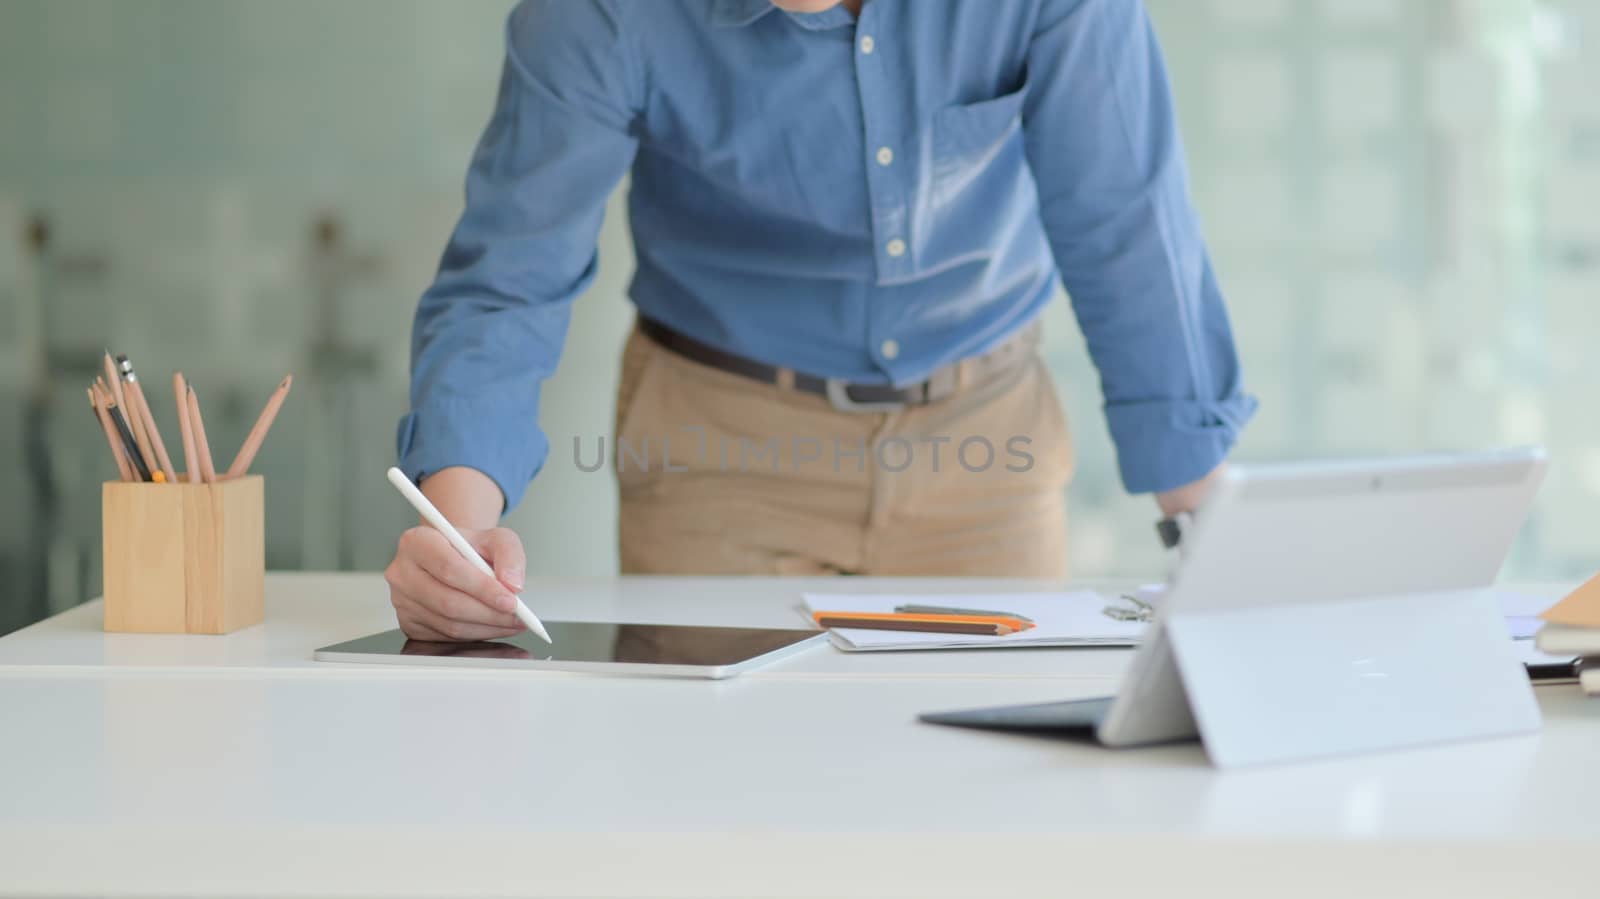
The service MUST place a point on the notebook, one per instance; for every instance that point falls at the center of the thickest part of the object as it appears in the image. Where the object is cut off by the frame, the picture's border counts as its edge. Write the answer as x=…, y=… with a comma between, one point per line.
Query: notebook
x=1582, y=641
x=1060, y=619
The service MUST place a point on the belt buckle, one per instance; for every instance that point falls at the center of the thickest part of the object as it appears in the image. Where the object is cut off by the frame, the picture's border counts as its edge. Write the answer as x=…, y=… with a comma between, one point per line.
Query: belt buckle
x=838, y=392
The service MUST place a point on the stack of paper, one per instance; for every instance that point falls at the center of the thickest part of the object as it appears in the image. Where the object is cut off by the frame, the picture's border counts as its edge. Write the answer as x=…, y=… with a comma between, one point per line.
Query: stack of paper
x=1572, y=627
x=1060, y=619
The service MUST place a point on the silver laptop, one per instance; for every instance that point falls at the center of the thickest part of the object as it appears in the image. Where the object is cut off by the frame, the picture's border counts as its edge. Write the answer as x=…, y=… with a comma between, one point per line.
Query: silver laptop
x=1325, y=608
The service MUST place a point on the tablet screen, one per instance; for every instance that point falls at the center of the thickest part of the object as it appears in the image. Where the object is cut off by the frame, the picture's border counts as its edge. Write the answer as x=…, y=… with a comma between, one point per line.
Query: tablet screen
x=590, y=641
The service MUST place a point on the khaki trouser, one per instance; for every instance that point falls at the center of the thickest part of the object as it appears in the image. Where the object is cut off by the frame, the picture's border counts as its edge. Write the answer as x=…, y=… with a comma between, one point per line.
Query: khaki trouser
x=723, y=475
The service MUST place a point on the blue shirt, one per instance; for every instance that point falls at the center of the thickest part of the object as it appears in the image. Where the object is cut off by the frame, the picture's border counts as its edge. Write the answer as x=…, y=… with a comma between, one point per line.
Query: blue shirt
x=865, y=199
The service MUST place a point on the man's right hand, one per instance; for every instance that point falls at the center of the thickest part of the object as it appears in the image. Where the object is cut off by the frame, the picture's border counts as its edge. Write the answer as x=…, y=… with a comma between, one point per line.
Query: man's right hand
x=438, y=595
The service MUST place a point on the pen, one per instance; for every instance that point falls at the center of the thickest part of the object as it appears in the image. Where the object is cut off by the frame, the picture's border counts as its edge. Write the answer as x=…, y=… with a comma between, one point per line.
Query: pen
x=431, y=514
x=915, y=609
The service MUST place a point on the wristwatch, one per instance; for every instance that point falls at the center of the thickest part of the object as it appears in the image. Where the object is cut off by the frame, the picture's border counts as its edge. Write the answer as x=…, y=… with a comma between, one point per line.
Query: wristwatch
x=1171, y=530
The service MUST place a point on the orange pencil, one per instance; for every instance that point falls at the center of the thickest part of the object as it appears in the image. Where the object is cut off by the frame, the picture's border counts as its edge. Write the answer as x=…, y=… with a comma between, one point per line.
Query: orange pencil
x=896, y=621
x=123, y=469
x=180, y=389
x=1010, y=621
x=982, y=630
x=202, y=449
x=258, y=432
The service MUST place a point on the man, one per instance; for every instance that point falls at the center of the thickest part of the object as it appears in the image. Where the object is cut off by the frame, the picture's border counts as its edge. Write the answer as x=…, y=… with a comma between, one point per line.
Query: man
x=847, y=218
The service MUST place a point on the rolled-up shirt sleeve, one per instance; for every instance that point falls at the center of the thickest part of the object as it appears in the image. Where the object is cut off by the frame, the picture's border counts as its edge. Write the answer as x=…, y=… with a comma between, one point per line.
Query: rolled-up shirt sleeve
x=1102, y=141
x=490, y=329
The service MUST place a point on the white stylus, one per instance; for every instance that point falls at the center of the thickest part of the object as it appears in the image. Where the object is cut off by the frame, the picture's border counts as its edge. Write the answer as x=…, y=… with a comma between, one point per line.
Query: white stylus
x=431, y=514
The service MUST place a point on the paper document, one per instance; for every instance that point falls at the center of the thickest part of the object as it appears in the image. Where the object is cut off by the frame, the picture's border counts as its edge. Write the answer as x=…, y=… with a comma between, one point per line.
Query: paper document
x=1529, y=654
x=1520, y=605
x=1521, y=612
x=1523, y=627
x=1060, y=619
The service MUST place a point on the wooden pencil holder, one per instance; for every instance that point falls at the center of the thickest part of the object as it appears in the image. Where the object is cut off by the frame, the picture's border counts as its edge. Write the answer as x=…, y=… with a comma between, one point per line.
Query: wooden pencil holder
x=183, y=558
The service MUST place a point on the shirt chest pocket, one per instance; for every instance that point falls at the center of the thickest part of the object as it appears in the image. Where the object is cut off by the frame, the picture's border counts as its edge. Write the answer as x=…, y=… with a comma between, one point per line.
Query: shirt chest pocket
x=968, y=137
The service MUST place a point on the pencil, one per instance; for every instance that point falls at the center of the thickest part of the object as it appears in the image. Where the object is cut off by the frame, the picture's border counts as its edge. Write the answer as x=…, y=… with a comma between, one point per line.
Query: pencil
x=202, y=449
x=114, y=384
x=258, y=432
x=123, y=469
x=955, y=624
x=137, y=403
x=180, y=389
x=127, y=380
x=1016, y=624
x=917, y=609
x=990, y=629
x=136, y=393
x=131, y=446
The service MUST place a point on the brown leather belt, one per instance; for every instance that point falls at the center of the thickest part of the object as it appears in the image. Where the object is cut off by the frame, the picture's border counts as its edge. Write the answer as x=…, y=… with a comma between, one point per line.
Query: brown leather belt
x=846, y=396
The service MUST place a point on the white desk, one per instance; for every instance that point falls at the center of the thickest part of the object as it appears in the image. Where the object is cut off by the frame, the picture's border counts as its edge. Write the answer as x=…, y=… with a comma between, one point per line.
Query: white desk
x=218, y=766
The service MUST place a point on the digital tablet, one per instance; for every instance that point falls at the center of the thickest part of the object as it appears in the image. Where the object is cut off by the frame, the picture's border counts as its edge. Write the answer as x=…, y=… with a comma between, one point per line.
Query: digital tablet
x=663, y=650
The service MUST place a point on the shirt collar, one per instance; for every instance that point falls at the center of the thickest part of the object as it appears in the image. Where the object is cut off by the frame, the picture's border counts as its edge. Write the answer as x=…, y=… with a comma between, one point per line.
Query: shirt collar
x=837, y=17
x=738, y=13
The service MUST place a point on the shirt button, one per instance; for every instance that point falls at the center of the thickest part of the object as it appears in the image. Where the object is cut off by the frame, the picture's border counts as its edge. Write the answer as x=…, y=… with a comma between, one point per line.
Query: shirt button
x=867, y=44
x=896, y=248
x=885, y=156
x=890, y=349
